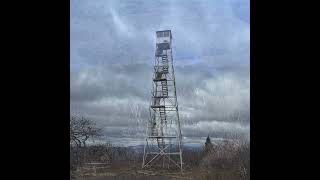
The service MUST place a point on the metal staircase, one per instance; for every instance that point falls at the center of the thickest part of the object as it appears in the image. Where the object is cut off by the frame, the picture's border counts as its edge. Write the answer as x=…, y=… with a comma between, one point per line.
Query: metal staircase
x=164, y=85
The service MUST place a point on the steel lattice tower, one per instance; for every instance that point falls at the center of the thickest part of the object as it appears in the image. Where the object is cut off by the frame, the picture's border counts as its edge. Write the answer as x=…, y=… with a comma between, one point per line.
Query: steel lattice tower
x=163, y=145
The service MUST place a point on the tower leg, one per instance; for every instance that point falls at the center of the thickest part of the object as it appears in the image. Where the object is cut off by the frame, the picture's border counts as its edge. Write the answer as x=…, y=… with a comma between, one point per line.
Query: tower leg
x=144, y=154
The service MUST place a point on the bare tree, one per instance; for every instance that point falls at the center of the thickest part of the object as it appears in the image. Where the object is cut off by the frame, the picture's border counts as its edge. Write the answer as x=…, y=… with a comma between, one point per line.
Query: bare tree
x=81, y=129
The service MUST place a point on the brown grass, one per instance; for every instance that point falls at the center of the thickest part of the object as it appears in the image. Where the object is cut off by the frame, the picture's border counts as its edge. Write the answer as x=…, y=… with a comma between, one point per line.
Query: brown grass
x=225, y=161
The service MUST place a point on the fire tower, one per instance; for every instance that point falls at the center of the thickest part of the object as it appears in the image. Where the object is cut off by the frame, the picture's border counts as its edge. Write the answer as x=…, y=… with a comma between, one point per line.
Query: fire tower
x=163, y=145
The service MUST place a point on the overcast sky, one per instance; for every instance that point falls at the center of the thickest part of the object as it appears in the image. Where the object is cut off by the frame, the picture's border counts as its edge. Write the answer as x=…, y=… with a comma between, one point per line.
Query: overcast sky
x=112, y=47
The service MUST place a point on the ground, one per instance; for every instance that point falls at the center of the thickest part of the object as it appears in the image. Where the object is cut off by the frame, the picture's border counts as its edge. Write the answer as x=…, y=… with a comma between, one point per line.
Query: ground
x=129, y=173
x=134, y=173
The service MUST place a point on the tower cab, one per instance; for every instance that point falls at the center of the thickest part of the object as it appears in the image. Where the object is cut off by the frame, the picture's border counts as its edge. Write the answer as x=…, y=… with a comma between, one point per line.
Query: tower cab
x=163, y=41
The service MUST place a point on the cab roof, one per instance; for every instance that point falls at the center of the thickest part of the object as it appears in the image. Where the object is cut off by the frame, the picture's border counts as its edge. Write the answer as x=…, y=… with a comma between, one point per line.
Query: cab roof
x=164, y=31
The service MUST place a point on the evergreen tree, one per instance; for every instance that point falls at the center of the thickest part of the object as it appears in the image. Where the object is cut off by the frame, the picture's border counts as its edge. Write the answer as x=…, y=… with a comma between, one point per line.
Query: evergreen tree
x=208, y=141
x=208, y=145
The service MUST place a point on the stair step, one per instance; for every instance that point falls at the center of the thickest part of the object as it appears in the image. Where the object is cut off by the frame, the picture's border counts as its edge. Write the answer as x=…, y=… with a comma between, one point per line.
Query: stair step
x=163, y=79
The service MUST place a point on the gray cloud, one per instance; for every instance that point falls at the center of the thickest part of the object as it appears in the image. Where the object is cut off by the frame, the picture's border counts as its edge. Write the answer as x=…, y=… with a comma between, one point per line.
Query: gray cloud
x=112, y=48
